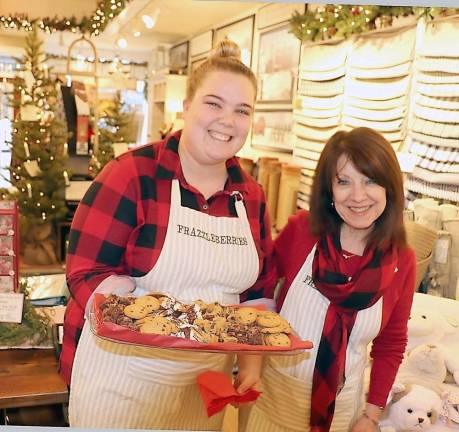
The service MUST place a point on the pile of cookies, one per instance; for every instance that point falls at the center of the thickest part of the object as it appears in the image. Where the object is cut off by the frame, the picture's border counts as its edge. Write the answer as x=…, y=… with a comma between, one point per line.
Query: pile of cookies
x=199, y=321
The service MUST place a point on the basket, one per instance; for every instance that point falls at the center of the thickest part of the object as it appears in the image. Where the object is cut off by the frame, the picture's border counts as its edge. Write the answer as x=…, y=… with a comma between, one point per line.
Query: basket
x=422, y=240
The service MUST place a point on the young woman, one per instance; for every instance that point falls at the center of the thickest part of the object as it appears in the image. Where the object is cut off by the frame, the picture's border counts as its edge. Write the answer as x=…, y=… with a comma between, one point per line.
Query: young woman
x=135, y=231
x=349, y=282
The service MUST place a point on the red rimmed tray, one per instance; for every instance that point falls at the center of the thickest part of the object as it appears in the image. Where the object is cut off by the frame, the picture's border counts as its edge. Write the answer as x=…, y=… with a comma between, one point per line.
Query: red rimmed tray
x=116, y=333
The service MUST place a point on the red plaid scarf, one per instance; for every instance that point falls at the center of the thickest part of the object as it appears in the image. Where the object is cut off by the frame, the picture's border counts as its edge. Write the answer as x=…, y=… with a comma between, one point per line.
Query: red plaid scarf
x=347, y=296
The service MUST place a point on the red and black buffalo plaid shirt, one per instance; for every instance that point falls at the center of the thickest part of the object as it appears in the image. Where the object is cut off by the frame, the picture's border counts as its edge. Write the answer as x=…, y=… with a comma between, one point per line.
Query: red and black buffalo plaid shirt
x=120, y=226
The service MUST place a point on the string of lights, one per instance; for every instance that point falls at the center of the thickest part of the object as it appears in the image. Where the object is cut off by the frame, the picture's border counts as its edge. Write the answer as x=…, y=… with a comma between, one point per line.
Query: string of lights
x=106, y=11
x=333, y=21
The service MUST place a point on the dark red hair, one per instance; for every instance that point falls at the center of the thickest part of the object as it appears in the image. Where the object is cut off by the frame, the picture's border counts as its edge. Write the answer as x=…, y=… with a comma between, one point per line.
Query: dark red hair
x=374, y=157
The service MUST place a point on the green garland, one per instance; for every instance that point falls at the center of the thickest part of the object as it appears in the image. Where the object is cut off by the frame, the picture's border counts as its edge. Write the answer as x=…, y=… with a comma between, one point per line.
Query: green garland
x=95, y=24
x=335, y=21
x=34, y=328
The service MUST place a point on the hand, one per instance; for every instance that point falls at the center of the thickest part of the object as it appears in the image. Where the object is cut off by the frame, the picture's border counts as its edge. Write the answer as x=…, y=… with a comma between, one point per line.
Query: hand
x=114, y=284
x=249, y=372
x=364, y=424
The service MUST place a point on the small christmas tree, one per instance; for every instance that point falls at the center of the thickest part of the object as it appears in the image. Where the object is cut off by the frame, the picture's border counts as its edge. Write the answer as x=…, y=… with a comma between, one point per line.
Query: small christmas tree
x=113, y=128
x=38, y=155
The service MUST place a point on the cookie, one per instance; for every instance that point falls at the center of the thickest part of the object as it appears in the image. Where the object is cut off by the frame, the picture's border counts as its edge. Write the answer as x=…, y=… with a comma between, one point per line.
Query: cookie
x=219, y=325
x=135, y=311
x=277, y=339
x=269, y=319
x=284, y=327
x=246, y=315
x=227, y=338
x=202, y=304
x=203, y=336
x=215, y=308
x=152, y=302
x=203, y=323
x=158, y=325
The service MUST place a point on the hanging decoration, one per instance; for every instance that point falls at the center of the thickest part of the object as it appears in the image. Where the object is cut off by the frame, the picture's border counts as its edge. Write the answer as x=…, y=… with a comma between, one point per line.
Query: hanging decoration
x=334, y=21
x=106, y=11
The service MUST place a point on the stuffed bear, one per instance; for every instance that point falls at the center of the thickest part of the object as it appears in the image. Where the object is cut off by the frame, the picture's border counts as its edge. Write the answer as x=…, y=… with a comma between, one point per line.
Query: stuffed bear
x=425, y=326
x=411, y=408
x=433, y=363
x=433, y=320
x=424, y=365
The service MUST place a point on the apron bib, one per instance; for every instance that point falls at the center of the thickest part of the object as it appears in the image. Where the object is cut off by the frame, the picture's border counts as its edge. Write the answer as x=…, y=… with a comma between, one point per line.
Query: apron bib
x=123, y=386
x=285, y=403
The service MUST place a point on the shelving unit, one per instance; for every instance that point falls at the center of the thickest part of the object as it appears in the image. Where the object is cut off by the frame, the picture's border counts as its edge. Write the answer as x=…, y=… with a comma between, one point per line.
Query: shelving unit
x=9, y=247
x=166, y=101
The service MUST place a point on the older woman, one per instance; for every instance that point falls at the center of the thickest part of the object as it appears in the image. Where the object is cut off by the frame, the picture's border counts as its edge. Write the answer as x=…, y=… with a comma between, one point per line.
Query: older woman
x=349, y=282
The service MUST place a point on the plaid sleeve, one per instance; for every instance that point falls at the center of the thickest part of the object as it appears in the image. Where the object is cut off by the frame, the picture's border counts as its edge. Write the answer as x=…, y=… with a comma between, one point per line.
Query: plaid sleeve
x=261, y=230
x=100, y=230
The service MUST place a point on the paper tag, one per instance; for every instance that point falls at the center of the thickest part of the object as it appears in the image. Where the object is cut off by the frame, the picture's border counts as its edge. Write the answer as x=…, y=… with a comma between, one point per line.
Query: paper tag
x=441, y=250
x=32, y=168
x=11, y=305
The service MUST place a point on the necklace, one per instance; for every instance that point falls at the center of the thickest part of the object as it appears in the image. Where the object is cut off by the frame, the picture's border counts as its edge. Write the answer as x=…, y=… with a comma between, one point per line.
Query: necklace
x=347, y=255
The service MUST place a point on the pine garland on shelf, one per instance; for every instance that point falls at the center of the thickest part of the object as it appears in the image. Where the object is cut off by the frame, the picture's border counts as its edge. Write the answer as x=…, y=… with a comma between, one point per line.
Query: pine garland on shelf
x=35, y=328
x=106, y=11
x=335, y=21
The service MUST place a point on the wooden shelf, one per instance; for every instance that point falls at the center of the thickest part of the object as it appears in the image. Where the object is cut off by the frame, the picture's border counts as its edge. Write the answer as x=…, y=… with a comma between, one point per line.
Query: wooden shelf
x=29, y=377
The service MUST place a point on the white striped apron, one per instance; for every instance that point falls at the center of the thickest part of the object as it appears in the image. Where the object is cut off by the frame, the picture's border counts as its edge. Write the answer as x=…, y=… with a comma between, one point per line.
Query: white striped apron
x=284, y=405
x=123, y=386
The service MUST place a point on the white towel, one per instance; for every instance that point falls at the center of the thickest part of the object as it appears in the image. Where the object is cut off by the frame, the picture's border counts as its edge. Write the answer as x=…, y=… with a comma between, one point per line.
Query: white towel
x=382, y=126
x=320, y=103
x=383, y=49
x=323, y=75
x=320, y=57
x=321, y=88
x=377, y=115
x=438, y=64
x=375, y=104
x=443, y=130
x=378, y=89
x=444, y=102
x=437, y=115
x=437, y=38
x=435, y=140
x=440, y=90
x=437, y=78
x=400, y=70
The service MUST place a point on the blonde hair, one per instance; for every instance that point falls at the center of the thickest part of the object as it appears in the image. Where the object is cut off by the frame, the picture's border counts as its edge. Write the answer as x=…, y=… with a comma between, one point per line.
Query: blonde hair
x=226, y=56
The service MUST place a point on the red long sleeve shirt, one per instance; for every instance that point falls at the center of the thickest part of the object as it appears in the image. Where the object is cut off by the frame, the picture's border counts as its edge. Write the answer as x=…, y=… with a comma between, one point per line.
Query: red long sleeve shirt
x=120, y=226
x=291, y=248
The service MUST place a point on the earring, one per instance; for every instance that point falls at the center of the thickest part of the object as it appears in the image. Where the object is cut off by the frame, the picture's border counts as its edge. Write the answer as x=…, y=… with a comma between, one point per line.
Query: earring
x=332, y=204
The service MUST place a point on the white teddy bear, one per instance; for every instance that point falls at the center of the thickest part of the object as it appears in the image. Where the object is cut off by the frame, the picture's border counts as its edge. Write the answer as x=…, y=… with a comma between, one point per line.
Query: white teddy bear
x=411, y=408
x=430, y=363
x=423, y=364
x=433, y=320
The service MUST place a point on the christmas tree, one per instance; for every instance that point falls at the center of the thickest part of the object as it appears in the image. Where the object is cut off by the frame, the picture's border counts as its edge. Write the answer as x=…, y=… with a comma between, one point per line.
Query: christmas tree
x=113, y=128
x=39, y=155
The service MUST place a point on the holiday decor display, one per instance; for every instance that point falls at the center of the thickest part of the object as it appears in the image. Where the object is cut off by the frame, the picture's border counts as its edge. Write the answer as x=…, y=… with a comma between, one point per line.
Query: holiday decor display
x=34, y=329
x=9, y=245
x=106, y=11
x=39, y=154
x=112, y=129
x=335, y=21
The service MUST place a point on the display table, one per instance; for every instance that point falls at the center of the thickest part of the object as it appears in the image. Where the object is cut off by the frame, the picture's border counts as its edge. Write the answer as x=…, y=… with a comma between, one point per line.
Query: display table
x=29, y=377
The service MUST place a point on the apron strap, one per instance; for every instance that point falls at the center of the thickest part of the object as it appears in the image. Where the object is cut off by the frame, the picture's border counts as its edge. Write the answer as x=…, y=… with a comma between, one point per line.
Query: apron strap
x=239, y=204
